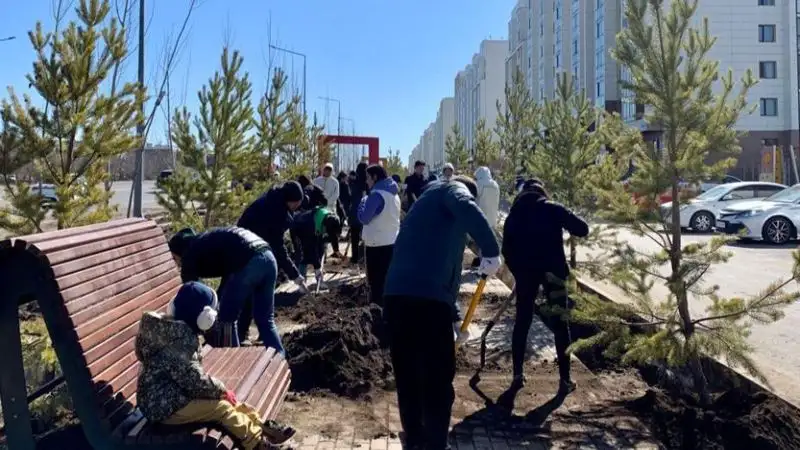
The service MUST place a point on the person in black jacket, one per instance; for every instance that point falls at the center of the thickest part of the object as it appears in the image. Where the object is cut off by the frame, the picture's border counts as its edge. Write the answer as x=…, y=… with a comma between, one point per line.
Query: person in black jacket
x=247, y=265
x=414, y=183
x=358, y=189
x=270, y=216
x=533, y=248
x=344, y=196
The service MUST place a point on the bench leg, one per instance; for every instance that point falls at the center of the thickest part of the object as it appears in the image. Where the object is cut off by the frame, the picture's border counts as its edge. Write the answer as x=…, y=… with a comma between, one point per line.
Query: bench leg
x=13, y=392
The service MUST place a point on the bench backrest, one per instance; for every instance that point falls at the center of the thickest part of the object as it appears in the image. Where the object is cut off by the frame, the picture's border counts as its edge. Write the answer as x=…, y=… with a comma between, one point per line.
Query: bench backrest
x=93, y=284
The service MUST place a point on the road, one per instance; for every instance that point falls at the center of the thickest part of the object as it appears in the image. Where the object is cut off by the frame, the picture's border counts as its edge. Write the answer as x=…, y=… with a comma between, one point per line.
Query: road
x=122, y=192
x=752, y=267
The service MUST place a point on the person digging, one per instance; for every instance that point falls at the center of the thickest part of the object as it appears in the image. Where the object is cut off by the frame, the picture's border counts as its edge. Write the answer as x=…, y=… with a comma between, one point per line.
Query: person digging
x=533, y=248
x=172, y=387
x=313, y=229
x=421, y=294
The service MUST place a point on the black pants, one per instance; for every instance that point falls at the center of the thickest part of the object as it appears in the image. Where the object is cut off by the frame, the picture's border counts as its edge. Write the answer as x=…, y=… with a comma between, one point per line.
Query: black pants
x=355, y=241
x=527, y=290
x=423, y=355
x=378, y=259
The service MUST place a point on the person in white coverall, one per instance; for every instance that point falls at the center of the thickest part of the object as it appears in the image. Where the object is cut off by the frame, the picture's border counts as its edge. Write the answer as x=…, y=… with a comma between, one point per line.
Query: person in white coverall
x=447, y=172
x=488, y=198
x=329, y=185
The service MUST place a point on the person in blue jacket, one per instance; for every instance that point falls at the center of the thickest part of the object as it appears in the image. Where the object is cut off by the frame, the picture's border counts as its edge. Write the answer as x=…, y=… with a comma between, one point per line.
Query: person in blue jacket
x=379, y=214
x=421, y=311
x=248, y=267
x=533, y=248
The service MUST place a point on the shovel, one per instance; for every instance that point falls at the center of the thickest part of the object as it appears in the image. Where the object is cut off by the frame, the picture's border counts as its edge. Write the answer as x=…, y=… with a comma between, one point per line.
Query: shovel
x=473, y=305
x=492, y=322
x=321, y=268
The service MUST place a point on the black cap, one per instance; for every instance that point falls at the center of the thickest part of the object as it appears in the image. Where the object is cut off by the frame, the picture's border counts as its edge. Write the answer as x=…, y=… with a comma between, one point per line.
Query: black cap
x=292, y=192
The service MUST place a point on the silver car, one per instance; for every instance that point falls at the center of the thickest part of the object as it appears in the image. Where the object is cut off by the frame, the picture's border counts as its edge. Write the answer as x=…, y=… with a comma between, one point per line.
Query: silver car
x=774, y=219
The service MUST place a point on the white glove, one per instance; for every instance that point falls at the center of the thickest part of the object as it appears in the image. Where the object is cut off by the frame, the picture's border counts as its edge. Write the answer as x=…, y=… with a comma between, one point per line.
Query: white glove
x=301, y=285
x=490, y=266
x=460, y=337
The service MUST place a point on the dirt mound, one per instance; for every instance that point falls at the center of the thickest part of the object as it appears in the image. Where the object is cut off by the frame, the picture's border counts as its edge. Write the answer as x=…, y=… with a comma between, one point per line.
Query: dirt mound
x=341, y=352
x=312, y=308
x=735, y=420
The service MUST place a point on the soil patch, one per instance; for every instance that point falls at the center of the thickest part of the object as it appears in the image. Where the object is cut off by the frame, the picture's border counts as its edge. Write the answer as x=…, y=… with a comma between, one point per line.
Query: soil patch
x=343, y=348
x=736, y=419
x=310, y=308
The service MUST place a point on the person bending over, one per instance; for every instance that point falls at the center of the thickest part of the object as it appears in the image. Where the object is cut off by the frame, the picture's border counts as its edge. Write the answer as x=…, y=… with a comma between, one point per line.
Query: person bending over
x=313, y=229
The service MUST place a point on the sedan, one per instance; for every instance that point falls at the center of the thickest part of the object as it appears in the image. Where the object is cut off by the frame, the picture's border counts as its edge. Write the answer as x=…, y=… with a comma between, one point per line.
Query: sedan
x=774, y=219
x=700, y=213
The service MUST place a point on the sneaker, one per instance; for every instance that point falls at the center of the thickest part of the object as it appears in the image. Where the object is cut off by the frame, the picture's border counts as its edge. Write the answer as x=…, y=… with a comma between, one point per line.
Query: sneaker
x=565, y=387
x=277, y=433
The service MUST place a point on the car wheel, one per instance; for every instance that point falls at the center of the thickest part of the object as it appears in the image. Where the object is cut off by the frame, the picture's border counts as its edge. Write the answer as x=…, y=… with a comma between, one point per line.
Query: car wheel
x=778, y=230
x=702, y=221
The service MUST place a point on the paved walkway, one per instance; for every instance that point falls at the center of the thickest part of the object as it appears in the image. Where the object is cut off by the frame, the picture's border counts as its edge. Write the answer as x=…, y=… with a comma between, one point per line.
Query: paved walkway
x=477, y=423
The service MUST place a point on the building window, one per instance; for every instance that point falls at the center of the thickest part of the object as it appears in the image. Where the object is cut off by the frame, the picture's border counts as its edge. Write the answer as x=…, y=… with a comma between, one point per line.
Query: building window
x=766, y=2
x=767, y=69
x=574, y=47
x=766, y=33
x=599, y=29
x=597, y=91
x=769, y=142
x=769, y=107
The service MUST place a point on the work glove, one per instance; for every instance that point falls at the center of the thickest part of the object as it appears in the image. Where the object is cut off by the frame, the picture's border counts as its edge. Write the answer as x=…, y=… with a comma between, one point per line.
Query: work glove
x=301, y=285
x=230, y=397
x=490, y=266
x=460, y=337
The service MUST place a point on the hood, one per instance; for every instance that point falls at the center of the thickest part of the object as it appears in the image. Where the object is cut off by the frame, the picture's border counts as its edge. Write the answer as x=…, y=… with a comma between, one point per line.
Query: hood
x=388, y=185
x=528, y=199
x=483, y=174
x=754, y=204
x=158, y=331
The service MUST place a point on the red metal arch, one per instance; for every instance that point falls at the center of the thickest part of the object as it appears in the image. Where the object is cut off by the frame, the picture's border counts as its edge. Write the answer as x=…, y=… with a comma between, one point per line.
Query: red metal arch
x=372, y=144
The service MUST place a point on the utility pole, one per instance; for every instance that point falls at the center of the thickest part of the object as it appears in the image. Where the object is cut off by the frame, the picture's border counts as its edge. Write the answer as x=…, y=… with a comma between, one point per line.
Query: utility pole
x=338, y=122
x=280, y=49
x=138, y=179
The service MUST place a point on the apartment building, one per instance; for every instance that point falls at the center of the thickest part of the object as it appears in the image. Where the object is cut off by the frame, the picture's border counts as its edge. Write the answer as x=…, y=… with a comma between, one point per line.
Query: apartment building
x=519, y=28
x=443, y=128
x=479, y=87
x=576, y=36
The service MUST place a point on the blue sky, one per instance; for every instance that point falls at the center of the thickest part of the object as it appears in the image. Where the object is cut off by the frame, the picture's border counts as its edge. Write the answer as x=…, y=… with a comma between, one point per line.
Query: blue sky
x=388, y=61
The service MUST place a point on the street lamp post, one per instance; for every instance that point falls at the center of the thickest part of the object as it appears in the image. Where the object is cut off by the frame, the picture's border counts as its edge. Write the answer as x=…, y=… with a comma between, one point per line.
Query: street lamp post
x=302, y=55
x=338, y=121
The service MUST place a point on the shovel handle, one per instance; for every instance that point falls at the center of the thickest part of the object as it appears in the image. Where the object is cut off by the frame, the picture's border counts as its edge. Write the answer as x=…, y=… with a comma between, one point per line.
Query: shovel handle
x=473, y=304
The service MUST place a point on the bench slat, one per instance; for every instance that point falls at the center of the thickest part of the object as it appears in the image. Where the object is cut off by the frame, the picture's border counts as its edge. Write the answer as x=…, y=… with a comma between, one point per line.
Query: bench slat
x=89, y=249
x=78, y=241
x=106, y=263
x=86, y=229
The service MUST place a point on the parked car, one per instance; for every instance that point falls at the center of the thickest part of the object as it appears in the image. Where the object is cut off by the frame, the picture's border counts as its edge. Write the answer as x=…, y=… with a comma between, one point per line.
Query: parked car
x=774, y=219
x=46, y=191
x=701, y=212
x=163, y=175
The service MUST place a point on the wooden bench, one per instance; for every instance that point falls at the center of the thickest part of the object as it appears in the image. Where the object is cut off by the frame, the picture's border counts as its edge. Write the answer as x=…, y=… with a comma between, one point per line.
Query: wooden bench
x=92, y=285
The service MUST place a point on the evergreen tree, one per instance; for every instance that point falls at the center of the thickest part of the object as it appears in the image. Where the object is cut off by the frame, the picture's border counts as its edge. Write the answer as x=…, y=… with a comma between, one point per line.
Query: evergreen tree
x=518, y=124
x=455, y=149
x=672, y=73
x=75, y=127
x=394, y=165
x=212, y=146
x=568, y=152
x=280, y=124
x=485, y=152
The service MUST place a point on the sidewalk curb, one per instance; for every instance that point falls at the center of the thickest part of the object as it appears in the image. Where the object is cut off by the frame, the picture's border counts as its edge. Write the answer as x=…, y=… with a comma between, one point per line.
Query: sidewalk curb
x=716, y=370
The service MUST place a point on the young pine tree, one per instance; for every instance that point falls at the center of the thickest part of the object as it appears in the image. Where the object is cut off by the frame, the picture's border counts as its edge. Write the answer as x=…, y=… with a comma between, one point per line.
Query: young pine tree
x=696, y=109
x=518, y=124
x=74, y=127
x=280, y=123
x=455, y=149
x=394, y=165
x=220, y=143
x=567, y=154
x=485, y=152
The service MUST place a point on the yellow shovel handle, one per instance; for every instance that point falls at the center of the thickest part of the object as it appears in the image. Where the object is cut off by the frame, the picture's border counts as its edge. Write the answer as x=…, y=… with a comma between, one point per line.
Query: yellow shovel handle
x=473, y=304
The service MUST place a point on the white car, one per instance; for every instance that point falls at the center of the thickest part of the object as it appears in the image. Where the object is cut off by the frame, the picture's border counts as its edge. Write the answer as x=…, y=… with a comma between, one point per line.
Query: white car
x=774, y=219
x=700, y=213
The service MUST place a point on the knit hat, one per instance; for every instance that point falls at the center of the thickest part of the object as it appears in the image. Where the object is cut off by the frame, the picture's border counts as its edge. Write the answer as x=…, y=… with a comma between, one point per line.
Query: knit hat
x=448, y=166
x=292, y=192
x=195, y=304
x=181, y=241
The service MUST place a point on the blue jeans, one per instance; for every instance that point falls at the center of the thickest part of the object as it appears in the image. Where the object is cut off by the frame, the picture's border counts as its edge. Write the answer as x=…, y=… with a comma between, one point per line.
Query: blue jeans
x=256, y=279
